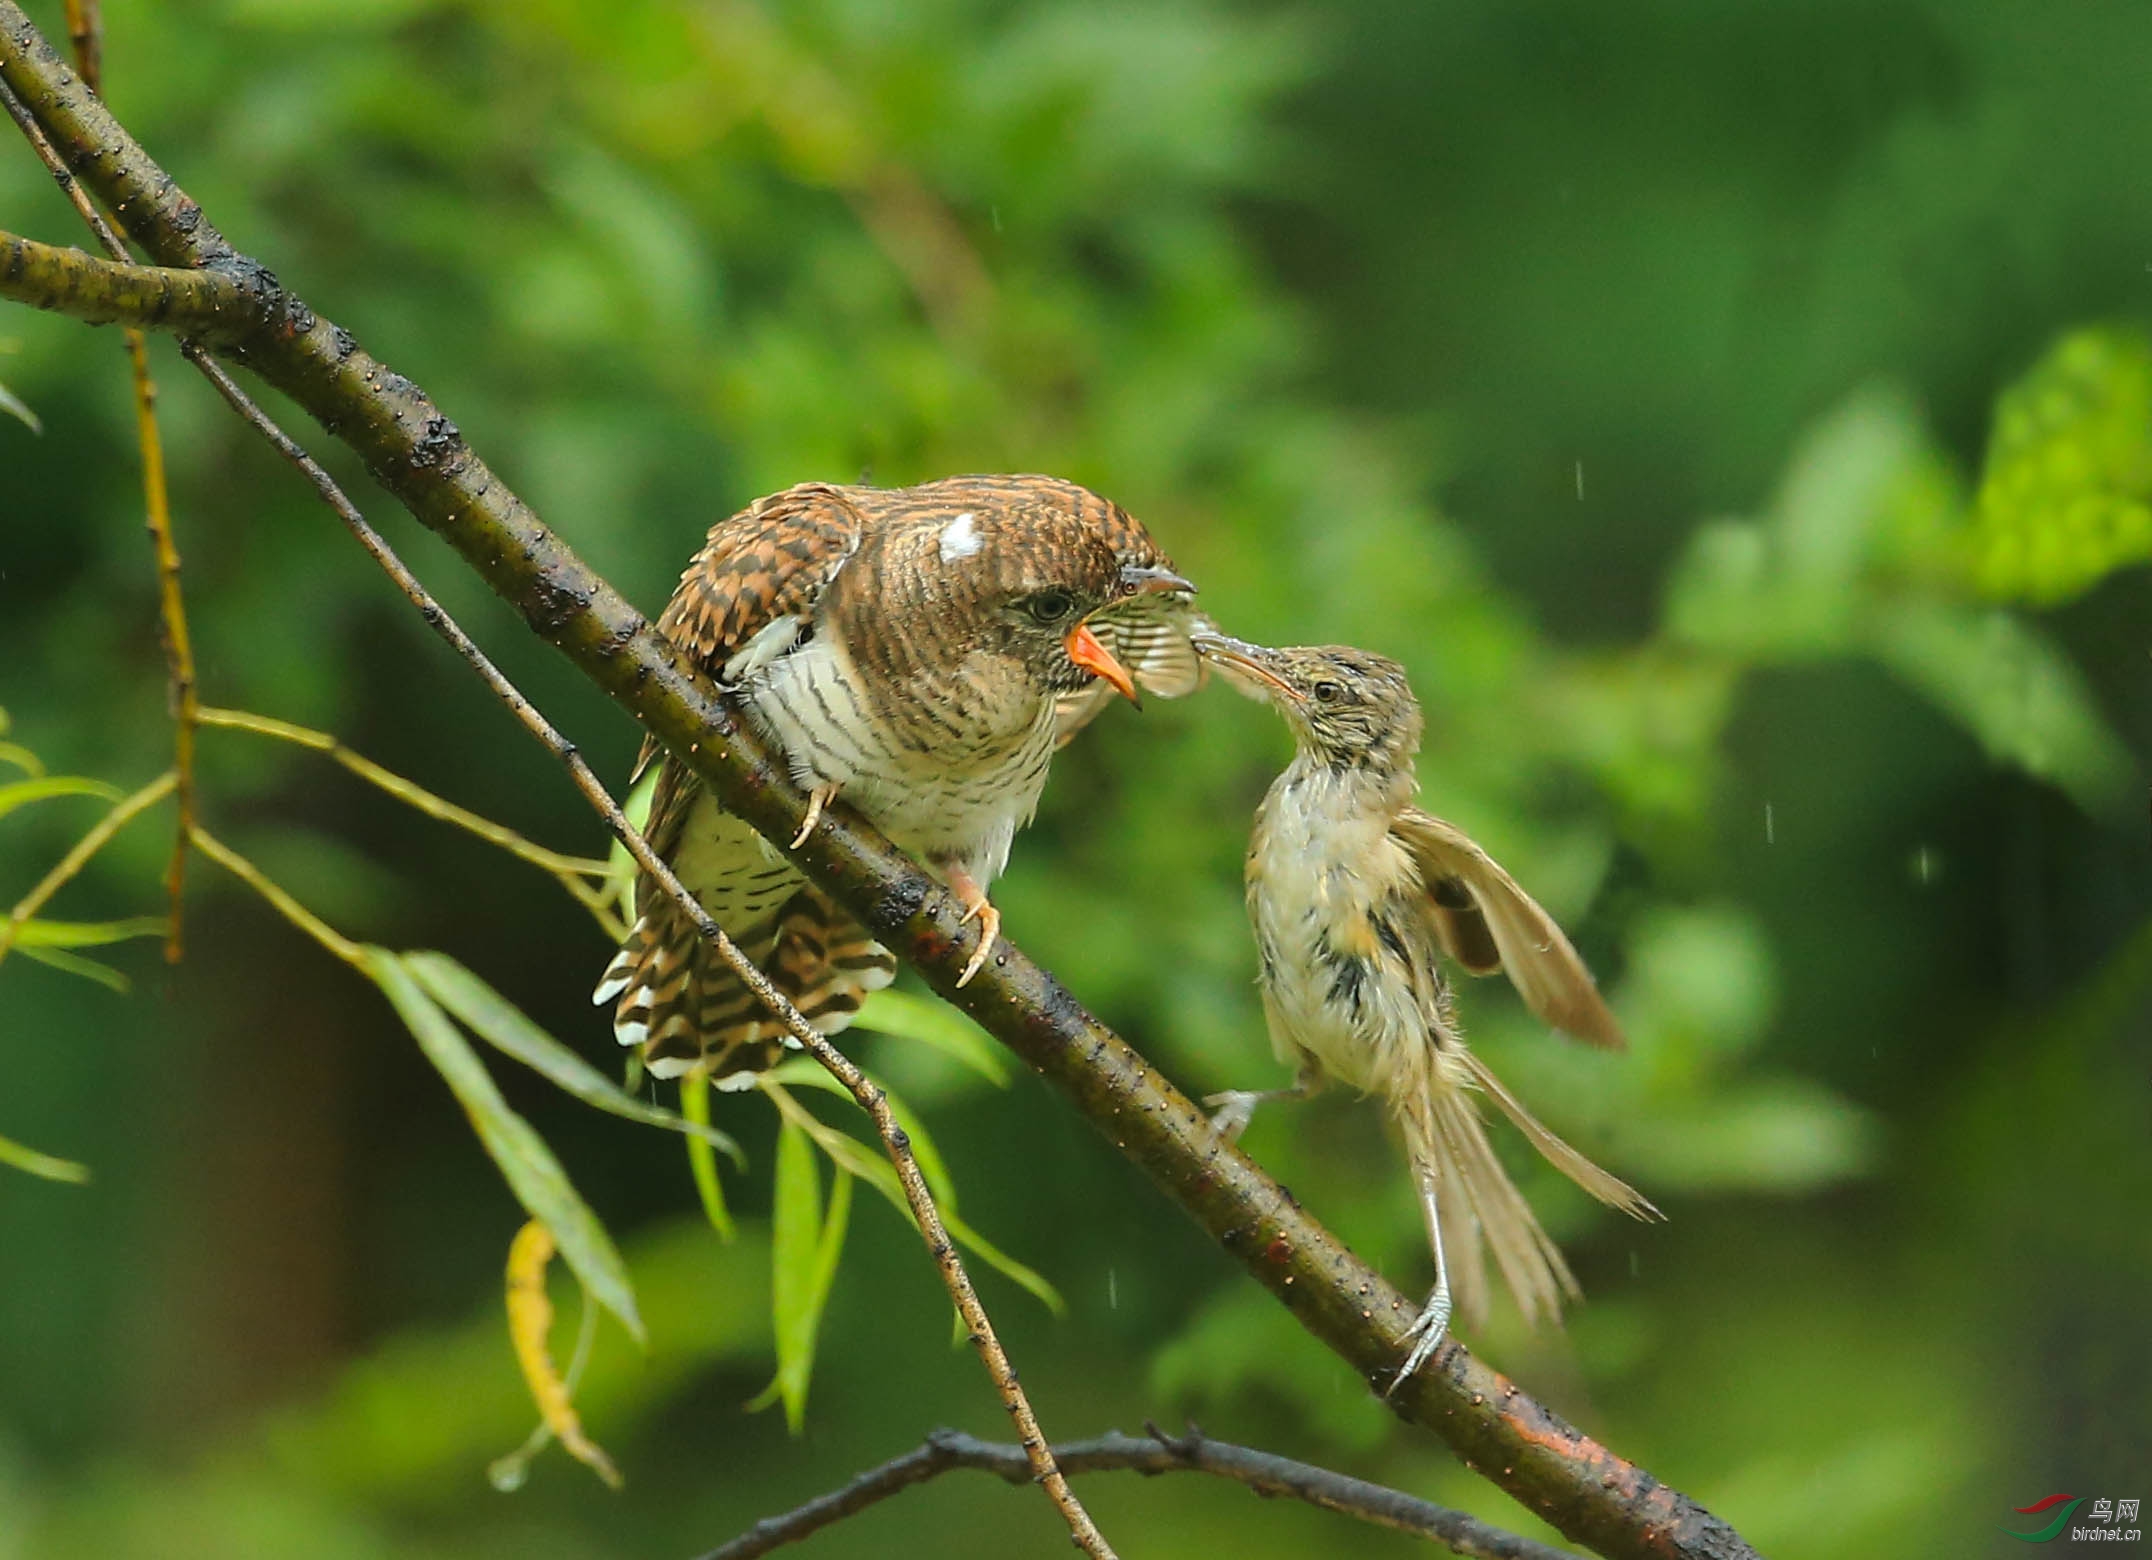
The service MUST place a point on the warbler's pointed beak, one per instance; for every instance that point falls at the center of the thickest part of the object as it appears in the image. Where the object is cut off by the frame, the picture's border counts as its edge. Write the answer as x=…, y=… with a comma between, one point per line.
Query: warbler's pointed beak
x=1139, y=581
x=1240, y=661
x=1085, y=650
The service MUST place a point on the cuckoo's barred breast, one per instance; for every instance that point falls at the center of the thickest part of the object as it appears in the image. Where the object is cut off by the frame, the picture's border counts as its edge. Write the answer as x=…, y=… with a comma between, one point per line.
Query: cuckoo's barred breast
x=898, y=646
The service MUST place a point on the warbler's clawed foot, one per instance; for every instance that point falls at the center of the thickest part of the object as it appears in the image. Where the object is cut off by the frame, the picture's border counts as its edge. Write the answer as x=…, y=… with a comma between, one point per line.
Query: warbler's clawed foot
x=1233, y=1109
x=1426, y=1333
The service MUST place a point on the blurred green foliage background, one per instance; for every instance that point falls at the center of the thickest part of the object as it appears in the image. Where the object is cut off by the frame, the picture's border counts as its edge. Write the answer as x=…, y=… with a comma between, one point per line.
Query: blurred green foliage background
x=1738, y=418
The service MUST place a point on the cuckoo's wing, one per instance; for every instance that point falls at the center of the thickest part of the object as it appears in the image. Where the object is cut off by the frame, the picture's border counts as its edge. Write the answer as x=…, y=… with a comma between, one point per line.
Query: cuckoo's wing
x=748, y=593
x=1487, y=923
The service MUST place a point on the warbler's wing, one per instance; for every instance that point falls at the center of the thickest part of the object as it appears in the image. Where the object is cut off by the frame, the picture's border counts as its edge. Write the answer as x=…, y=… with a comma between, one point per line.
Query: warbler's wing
x=1486, y=922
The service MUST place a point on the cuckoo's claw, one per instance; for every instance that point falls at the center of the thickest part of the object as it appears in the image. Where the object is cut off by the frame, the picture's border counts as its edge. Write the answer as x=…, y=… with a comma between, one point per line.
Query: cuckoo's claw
x=989, y=920
x=977, y=907
x=817, y=799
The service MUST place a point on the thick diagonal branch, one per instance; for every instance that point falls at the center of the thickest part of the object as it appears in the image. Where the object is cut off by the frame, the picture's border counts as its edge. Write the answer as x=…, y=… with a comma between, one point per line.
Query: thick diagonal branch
x=416, y=452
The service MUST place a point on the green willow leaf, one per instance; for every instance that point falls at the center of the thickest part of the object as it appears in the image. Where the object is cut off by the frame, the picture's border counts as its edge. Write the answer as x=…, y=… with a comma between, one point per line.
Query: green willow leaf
x=701, y=1162
x=533, y=1174
x=504, y=1026
x=44, y=787
x=88, y=934
x=931, y=1023
x=804, y=1252
x=1025, y=1277
x=803, y=1071
x=76, y=964
x=44, y=1166
x=22, y=758
x=848, y=1153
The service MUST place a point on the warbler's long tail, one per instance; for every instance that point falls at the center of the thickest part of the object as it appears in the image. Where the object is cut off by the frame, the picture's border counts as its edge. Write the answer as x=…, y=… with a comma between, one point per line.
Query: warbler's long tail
x=1479, y=1206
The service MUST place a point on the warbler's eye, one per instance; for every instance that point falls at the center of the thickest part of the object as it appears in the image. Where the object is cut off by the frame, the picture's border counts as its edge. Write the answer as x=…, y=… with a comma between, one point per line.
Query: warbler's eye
x=1327, y=692
x=1049, y=607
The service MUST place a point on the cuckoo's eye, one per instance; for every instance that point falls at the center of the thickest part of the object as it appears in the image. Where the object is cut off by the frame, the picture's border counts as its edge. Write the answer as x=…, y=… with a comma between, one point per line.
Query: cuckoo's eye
x=1049, y=607
x=1327, y=692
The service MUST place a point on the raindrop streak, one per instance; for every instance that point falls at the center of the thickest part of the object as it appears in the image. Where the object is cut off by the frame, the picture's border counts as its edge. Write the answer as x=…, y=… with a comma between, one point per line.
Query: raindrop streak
x=1580, y=481
x=1113, y=1290
x=1770, y=827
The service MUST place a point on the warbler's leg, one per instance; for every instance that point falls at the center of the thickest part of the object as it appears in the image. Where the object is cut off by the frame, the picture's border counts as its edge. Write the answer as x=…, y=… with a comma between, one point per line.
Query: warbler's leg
x=817, y=799
x=977, y=907
x=1433, y=1322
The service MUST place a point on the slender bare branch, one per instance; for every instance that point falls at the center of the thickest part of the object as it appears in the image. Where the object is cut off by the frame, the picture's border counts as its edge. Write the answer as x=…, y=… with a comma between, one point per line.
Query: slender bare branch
x=85, y=28
x=1154, y=1453
x=172, y=618
x=582, y=878
x=282, y=902
x=1571, y=1480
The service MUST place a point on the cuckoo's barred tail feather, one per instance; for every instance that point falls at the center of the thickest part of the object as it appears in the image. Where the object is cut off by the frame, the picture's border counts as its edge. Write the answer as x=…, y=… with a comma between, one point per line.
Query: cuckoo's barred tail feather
x=682, y=1004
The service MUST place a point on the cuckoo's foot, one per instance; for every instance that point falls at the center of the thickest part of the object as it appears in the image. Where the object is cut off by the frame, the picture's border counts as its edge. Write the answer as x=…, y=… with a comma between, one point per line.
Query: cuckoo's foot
x=817, y=799
x=977, y=907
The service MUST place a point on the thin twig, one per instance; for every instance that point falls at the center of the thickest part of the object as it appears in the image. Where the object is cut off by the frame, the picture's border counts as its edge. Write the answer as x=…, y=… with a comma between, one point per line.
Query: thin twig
x=172, y=614
x=85, y=29
x=78, y=856
x=1154, y=1453
x=251, y=875
x=871, y=1098
x=84, y=26
x=573, y=873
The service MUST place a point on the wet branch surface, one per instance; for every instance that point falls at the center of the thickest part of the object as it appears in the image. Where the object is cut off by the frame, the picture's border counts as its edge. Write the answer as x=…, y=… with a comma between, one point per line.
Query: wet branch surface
x=412, y=448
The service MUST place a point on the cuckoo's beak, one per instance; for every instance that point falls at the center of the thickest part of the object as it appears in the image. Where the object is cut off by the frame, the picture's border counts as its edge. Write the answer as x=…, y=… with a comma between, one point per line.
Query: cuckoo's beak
x=1085, y=650
x=1241, y=661
x=1136, y=581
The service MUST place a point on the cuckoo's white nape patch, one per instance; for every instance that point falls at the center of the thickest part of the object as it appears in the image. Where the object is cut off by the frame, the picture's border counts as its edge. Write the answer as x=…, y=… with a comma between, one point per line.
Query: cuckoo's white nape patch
x=960, y=538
